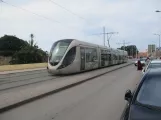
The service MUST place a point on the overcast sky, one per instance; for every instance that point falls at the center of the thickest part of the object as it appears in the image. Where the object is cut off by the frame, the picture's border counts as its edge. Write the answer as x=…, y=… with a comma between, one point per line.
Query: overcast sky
x=135, y=20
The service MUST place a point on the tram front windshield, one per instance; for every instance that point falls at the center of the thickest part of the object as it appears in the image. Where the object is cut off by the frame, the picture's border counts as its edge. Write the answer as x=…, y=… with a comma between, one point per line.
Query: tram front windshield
x=58, y=50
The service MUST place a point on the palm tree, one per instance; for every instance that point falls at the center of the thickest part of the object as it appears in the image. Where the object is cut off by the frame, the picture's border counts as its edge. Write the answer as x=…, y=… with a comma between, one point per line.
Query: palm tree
x=31, y=42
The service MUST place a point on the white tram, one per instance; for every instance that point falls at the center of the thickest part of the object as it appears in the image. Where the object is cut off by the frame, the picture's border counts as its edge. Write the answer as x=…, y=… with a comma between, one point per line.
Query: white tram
x=72, y=56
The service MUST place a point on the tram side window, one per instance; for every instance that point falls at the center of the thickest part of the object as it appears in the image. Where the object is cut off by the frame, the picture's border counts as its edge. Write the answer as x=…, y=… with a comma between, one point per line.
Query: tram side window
x=91, y=54
x=108, y=57
x=114, y=57
x=104, y=56
x=119, y=57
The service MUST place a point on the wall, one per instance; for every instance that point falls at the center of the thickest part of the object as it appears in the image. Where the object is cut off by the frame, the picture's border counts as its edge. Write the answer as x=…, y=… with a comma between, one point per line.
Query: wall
x=4, y=60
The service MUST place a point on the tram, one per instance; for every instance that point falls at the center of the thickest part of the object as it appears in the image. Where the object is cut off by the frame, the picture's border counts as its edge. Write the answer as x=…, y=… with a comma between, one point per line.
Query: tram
x=72, y=56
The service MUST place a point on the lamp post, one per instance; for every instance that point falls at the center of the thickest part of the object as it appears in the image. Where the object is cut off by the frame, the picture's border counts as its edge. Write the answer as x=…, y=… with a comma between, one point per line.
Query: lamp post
x=157, y=11
x=159, y=39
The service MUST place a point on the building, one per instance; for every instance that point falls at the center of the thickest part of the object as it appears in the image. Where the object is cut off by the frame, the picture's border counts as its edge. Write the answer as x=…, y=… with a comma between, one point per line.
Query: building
x=142, y=54
x=151, y=50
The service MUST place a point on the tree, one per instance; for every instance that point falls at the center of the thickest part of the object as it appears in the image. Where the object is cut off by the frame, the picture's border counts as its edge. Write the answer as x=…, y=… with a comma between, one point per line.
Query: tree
x=131, y=49
x=10, y=44
x=26, y=55
x=22, y=52
x=30, y=54
x=31, y=42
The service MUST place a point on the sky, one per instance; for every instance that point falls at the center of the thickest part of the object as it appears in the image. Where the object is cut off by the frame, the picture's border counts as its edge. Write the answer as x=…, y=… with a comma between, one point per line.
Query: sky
x=135, y=21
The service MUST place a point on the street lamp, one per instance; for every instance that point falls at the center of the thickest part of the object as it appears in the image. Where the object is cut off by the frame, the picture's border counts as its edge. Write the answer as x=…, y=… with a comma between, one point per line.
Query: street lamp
x=157, y=11
x=159, y=39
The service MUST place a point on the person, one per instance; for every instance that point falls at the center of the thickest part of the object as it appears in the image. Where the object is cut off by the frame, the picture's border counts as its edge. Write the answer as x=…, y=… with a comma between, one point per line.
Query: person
x=139, y=66
x=147, y=60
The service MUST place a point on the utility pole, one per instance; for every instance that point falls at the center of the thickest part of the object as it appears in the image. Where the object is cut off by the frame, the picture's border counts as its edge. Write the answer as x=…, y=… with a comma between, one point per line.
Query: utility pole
x=136, y=53
x=124, y=43
x=108, y=38
x=159, y=38
x=132, y=52
x=104, y=37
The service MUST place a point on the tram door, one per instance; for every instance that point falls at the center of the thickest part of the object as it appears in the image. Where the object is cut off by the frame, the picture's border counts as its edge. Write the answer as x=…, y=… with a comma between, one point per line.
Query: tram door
x=82, y=55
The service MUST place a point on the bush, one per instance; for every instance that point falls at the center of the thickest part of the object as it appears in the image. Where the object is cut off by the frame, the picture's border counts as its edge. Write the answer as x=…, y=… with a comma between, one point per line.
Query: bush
x=10, y=44
x=29, y=55
x=22, y=52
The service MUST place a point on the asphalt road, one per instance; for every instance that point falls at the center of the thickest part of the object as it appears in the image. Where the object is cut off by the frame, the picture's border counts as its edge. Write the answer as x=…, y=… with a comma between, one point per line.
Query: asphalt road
x=99, y=99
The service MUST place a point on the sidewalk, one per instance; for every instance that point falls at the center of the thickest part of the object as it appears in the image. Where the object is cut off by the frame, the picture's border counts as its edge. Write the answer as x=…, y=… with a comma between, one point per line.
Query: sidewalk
x=17, y=97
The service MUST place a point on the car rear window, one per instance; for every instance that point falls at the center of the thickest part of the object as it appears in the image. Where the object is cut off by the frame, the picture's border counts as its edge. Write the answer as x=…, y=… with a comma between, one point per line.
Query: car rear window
x=150, y=91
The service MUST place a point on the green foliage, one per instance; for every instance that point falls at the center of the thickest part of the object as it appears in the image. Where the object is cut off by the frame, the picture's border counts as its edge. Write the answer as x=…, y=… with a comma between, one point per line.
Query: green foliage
x=10, y=44
x=7, y=53
x=29, y=55
x=22, y=52
x=131, y=49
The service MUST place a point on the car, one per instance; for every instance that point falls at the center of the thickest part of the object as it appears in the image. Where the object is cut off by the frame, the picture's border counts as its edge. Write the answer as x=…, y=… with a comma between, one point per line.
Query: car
x=142, y=60
x=152, y=65
x=144, y=103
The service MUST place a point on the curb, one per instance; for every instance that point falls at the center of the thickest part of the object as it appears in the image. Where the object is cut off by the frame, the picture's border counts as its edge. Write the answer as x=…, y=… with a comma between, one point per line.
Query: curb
x=9, y=107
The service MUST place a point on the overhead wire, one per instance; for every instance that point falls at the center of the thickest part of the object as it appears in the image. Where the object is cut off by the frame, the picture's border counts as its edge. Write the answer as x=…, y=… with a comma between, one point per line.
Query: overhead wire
x=57, y=4
x=44, y=17
x=1, y=5
x=52, y=1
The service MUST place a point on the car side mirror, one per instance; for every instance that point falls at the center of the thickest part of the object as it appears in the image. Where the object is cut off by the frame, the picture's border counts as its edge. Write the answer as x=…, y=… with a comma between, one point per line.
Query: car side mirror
x=128, y=95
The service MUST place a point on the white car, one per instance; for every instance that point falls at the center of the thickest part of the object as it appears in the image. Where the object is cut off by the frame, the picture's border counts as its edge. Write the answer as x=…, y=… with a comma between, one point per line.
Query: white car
x=142, y=60
x=152, y=65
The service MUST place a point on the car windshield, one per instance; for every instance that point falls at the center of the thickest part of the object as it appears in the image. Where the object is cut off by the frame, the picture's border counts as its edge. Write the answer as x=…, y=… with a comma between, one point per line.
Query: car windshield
x=142, y=59
x=149, y=93
x=154, y=65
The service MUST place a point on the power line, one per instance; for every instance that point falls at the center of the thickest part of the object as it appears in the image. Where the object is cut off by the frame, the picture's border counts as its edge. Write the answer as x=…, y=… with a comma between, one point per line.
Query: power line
x=54, y=21
x=1, y=5
x=108, y=37
x=52, y=1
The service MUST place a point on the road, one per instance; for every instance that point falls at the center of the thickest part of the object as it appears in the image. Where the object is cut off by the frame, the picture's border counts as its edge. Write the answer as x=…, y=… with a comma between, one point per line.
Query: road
x=99, y=99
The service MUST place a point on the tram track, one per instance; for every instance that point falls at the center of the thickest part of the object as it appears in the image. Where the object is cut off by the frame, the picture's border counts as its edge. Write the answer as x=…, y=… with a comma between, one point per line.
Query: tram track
x=15, y=80
x=4, y=88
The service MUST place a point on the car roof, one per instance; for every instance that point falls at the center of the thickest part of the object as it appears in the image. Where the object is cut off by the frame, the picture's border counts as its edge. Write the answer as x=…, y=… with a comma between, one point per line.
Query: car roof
x=155, y=61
